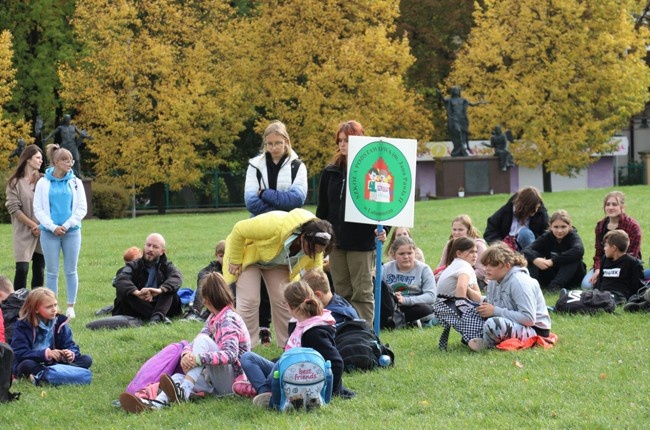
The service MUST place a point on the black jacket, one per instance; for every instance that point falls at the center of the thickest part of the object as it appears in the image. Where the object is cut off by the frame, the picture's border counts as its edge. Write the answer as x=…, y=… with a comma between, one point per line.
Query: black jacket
x=133, y=276
x=498, y=225
x=321, y=338
x=350, y=236
x=569, y=250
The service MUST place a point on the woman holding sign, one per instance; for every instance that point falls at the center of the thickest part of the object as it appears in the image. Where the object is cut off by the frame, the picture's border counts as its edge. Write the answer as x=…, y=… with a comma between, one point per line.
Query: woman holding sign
x=352, y=261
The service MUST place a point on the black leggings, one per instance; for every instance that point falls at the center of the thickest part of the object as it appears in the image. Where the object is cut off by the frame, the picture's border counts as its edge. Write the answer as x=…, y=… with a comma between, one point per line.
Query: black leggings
x=22, y=269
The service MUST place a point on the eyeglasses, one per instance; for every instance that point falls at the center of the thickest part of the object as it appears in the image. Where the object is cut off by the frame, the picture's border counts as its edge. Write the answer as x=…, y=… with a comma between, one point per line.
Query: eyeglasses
x=274, y=144
x=70, y=162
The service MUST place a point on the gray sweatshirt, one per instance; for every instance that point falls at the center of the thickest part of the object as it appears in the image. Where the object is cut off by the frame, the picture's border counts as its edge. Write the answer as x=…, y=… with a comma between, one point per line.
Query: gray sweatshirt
x=416, y=286
x=519, y=298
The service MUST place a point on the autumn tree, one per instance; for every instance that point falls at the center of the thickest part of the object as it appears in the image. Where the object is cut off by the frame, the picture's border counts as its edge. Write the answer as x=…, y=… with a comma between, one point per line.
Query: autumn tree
x=42, y=39
x=10, y=130
x=564, y=75
x=157, y=85
x=436, y=30
x=318, y=63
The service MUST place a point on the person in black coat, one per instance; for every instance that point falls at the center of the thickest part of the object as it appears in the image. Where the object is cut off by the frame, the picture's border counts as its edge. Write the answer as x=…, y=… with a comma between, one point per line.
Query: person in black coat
x=555, y=257
x=517, y=223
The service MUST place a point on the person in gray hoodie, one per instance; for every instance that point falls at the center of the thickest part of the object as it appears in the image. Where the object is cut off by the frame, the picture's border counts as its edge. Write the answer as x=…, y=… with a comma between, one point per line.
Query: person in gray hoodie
x=514, y=306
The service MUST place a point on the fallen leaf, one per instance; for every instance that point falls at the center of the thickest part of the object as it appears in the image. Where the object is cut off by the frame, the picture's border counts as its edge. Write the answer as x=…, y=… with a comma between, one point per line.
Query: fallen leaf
x=517, y=364
x=43, y=393
x=603, y=376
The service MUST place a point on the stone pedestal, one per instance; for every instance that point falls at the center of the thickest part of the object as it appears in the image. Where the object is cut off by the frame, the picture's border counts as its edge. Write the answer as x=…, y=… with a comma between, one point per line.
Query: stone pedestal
x=645, y=158
x=476, y=175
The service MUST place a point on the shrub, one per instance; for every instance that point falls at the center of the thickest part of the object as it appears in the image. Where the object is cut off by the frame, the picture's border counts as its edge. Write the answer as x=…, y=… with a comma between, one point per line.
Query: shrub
x=110, y=201
x=5, y=218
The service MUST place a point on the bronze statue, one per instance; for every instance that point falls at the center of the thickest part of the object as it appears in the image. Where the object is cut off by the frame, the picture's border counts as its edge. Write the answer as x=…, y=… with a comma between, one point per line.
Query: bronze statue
x=19, y=149
x=72, y=139
x=499, y=141
x=457, y=121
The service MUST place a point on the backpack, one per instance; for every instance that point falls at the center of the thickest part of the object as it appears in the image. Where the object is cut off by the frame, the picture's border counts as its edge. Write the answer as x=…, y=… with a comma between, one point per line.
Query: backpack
x=6, y=361
x=303, y=380
x=64, y=374
x=359, y=346
x=295, y=165
x=585, y=302
x=167, y=361
x=459, y=313
x=114, y=322
x=10, y=309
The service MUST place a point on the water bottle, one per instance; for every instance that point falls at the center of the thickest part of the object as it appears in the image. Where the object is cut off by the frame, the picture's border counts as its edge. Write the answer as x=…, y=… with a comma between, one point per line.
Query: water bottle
x=275, y=390
x=329, y=378
x=384, y=360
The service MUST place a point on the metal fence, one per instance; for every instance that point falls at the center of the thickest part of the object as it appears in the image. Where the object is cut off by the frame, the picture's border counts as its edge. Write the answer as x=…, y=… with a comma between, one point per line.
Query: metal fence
x=217, y=190
x=631, y=174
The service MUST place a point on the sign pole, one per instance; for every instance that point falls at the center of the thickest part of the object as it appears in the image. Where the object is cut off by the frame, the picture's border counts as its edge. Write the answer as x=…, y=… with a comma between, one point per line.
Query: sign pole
x=378, y=277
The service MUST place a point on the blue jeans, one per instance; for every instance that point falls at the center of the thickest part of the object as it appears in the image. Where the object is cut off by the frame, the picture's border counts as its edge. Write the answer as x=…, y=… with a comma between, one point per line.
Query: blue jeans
x=52, y=245
x=259, y=371
x=525, y=237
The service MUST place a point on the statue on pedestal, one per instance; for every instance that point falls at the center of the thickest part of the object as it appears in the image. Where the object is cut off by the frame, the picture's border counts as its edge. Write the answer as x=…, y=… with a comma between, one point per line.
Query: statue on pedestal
x=19, y=149
x=72, y=139
x=499, y=141
x=457, y=121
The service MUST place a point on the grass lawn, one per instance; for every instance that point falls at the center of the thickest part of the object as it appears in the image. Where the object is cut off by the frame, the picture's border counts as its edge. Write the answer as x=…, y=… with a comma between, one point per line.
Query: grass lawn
x=596, y=376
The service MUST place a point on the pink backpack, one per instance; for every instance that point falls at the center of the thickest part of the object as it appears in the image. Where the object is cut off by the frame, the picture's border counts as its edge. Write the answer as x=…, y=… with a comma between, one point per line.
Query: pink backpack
x=167, y=361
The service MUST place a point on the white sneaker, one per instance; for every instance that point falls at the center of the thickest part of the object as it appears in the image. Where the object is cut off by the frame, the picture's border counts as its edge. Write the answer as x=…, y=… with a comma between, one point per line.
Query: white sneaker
x=69, y=312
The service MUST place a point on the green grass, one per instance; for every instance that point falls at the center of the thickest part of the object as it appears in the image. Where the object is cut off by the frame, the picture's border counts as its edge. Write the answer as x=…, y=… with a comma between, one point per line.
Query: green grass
x=596, y=377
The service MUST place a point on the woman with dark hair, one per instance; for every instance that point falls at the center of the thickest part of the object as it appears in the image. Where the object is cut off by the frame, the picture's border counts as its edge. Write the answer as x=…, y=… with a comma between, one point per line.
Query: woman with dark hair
x=20, y=205
x=352, y=262
x=279, y=247
x=517, y=223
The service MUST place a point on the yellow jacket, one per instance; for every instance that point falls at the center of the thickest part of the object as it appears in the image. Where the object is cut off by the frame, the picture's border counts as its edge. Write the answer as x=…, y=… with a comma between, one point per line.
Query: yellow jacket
x=262, y=238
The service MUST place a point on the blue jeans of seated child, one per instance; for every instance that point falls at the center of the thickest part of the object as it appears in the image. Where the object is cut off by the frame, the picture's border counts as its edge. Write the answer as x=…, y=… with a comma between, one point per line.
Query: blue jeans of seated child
x=525, y=237
x=259, y=371
x=31, y=367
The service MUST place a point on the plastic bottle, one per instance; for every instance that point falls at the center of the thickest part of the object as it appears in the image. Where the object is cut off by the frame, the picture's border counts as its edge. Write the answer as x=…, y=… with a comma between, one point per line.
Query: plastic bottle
x=329, y=378
x=275, y=390
x=384, y=360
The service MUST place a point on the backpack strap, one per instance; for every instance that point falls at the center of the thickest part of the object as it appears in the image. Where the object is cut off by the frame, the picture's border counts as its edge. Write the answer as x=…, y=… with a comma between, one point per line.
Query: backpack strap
x=295, y=165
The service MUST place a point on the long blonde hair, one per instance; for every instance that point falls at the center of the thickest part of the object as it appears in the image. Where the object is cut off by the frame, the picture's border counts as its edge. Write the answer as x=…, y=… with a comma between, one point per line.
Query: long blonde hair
x=35, y=298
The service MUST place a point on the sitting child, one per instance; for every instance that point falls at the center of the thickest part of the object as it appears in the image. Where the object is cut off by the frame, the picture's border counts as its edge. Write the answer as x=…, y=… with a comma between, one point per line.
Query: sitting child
x=340, y=308
x=218, y=349
x=514, y=306
x=398, y=232
x=43, y=338
x=555, y=257
x=196, y=312
x=458, y=279
x=411, y=281
x=315, y=329
x=620, y=273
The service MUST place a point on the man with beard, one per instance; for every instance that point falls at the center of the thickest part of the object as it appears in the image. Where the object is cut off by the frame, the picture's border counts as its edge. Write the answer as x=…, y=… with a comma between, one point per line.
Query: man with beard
x=147, y=287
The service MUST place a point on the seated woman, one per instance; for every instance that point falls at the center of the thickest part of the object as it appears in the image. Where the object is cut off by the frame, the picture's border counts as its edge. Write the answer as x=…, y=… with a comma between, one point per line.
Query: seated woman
x=459, y=279
x=411, y=281
x=462, y=226
x=519, y=221
x=555, y=258
x=402, y=232
x=615, y=219
x=514, y=306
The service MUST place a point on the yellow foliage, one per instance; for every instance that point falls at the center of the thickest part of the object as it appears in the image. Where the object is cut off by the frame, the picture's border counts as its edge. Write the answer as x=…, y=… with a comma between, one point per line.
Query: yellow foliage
x=564, y=75
x=10, y=131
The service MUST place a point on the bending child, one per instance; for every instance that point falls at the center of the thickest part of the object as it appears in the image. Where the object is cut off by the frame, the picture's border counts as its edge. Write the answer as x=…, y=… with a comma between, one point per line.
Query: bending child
x=514, y=306
x=42, y=338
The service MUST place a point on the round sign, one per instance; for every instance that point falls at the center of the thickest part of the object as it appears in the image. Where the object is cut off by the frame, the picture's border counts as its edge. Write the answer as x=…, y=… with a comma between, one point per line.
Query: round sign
x=380, y=181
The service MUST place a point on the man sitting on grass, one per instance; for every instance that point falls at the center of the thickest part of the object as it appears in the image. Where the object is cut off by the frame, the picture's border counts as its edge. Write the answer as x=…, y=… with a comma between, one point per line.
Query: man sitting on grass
x=147, y=287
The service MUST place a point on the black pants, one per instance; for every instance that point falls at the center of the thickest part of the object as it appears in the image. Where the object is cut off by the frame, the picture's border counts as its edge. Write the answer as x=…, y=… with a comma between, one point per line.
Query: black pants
x=22, y=269
x=165, y=304
x=265, y=306
x=558, y=277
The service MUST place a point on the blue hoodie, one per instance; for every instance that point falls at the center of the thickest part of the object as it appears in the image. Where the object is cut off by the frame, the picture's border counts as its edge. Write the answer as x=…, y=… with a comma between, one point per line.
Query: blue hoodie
x=60, y=197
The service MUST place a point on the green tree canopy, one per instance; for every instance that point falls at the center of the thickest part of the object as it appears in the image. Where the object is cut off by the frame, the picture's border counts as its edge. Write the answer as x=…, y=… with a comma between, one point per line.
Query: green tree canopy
x=564, y=75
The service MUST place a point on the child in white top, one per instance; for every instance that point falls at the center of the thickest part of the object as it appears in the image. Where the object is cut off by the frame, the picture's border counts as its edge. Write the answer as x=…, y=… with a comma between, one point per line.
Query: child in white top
x=459, y=279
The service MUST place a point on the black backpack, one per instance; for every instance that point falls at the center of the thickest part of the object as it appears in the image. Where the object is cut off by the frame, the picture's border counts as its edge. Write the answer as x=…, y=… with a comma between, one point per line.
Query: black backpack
x=6, y=361
x=585, y=302
x=360, y=347
x=10, y=310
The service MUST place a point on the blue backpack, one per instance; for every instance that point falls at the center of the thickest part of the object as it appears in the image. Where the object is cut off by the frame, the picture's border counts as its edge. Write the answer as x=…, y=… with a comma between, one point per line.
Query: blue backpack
x=303, y=380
